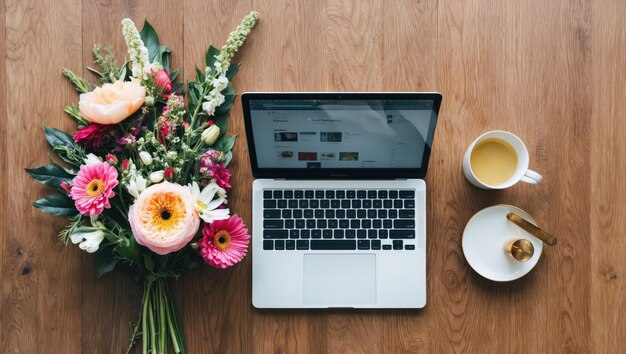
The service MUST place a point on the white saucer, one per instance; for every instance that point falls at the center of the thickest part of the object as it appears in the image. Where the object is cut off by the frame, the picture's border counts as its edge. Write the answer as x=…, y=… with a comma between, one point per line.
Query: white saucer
x=483, y=243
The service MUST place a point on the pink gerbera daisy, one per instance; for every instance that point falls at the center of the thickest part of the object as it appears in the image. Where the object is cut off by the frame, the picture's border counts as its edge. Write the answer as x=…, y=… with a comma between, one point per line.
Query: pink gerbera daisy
x=93, y=187
x=224, y=242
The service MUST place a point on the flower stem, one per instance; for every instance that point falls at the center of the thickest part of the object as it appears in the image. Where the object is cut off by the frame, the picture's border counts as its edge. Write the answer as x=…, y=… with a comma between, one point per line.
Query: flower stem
x=153, y=342
x=144, y=317
x=162, y=316
x=194, y=116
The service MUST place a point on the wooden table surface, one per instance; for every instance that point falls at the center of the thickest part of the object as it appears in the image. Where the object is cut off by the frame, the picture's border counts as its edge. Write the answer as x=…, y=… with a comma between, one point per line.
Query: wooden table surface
x=553, y=72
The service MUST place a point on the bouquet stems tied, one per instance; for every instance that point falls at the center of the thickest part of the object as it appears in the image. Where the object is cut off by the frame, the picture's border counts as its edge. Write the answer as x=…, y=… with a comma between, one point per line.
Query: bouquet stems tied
x=159, y=321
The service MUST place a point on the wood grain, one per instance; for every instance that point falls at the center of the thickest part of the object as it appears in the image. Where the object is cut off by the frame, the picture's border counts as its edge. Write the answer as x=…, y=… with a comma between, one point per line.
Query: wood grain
x=550, y=72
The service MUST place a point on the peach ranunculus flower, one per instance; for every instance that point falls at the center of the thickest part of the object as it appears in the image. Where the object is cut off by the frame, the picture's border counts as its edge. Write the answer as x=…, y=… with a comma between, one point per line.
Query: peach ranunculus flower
x=163, y=218
x=112, y=103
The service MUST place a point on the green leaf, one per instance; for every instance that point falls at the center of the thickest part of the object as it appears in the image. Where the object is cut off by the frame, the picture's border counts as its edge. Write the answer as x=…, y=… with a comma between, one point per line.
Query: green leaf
x=174, y=75
x=222, y=123
x=229, y=158
x=199, y=75
x=52, y=175
x=209, y=57
x=128, y=251
x=156, y=52
x=56, y=137
x=148, y=262
x=57, y=204
x=106, y=260
x=232, y=70
x=225, y=143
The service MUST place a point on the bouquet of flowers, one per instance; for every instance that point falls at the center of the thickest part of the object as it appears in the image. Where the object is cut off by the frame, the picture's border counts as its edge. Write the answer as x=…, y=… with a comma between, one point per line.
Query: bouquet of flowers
x=145, y=178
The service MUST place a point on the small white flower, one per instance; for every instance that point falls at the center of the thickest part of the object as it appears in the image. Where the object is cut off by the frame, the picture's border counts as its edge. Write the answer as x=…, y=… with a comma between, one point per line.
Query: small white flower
x=209, y=107
x=136, y=186
x=145, y=158
x=171, y=155
x=88, y=237
x=220, y=83
x=206, y=206
x=156, y=176
x=92, y=159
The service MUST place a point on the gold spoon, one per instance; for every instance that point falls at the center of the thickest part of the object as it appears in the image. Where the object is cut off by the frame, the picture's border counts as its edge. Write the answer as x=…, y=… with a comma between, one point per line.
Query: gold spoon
x=531, y=229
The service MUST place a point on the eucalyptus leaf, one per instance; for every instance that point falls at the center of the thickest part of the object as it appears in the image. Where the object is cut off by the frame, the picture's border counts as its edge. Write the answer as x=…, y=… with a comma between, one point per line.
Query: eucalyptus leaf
x=57, y=204
x=52, y=175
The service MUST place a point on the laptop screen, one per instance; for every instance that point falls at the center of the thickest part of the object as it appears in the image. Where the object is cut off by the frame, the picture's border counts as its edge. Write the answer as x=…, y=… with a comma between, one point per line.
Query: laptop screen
x=341, y=132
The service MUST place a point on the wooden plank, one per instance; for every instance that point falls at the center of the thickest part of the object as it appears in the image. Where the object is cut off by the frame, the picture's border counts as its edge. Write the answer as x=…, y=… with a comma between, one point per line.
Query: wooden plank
x=114, y=300
x=522, y=67
x=4, y=201
x=40, y=294
x=409, y=38
x=608, y=173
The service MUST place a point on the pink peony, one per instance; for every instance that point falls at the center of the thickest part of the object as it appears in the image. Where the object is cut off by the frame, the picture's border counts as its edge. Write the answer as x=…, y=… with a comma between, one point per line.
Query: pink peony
x=93, y=187
x=112, y=103
x=224, y=242
x=93, y=137
x=162, y=80
x=163, y=218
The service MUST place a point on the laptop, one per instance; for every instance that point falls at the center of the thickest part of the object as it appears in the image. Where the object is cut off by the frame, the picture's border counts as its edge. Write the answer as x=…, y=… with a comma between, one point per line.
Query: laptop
x=338, y=200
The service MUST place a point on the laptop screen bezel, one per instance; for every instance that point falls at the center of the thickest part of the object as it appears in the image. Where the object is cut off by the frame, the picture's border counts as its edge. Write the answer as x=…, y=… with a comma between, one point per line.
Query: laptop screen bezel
x=337, y=173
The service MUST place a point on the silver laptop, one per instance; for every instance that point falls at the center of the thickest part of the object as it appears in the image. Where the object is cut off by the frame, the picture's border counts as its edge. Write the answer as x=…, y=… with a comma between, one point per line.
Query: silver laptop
x=339, y=204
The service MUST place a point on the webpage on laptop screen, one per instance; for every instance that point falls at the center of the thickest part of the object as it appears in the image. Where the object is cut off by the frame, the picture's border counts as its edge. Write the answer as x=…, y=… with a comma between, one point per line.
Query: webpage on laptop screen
x=340, y=133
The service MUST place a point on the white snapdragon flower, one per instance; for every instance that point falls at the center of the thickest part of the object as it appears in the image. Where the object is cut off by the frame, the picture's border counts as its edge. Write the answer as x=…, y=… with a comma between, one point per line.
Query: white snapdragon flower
x=136, y=186
x=220, y=83
x=89, y=238
x=213, y=100
x=206, y=205
x=92, y=159
x=209, y=107
x=139, y=62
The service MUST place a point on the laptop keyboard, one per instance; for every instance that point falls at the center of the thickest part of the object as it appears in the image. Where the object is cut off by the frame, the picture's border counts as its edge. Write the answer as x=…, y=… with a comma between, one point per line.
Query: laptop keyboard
x=338, y=219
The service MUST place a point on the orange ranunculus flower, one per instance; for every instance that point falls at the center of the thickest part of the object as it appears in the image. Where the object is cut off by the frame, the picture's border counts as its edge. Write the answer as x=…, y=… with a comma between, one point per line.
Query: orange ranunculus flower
x=112, y=103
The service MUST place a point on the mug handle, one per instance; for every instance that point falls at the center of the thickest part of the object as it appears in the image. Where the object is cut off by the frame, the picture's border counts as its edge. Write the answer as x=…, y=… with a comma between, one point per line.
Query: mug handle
x=531, y=177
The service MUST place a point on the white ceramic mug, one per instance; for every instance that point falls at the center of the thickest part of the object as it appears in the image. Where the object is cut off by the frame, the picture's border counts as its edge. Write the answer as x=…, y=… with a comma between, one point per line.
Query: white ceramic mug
x=522, y=173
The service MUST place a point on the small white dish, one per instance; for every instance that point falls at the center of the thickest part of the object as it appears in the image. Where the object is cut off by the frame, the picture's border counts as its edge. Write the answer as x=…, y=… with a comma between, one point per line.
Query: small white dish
x=483, y=243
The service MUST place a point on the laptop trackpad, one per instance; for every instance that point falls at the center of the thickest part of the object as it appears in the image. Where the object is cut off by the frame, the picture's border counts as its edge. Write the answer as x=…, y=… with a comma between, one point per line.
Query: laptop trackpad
x=339, y=279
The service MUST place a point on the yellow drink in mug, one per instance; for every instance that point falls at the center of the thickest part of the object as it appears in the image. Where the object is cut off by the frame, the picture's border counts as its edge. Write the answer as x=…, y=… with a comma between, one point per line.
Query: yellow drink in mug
x=498, y=160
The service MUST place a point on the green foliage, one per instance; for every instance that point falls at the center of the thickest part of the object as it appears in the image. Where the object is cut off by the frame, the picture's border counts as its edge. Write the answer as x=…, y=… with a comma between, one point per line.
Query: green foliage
x=232, y=70
x=225, y=143
x=105, y=59
x=63, y=144
x=211, y=56
x=156, y=52
x=51, y=174
x=105, y=259
x=75, y=222
x=73, y=111
x=80, y=85
x=57, y=204
x=222, y=123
